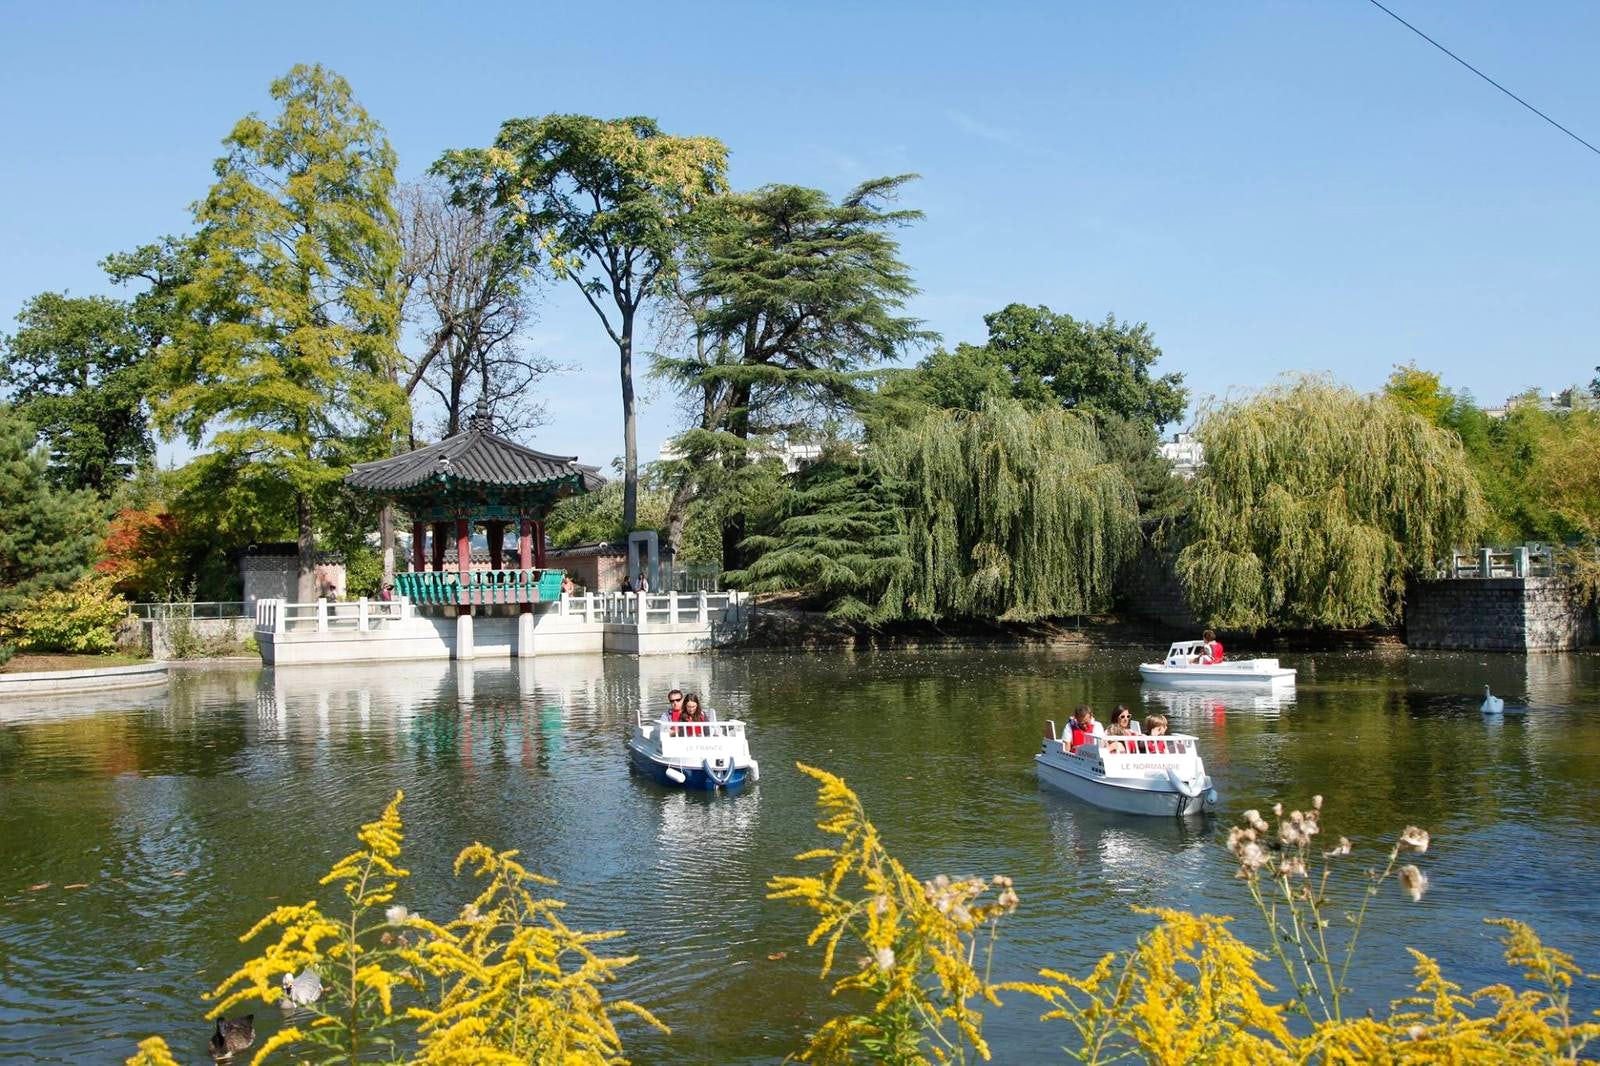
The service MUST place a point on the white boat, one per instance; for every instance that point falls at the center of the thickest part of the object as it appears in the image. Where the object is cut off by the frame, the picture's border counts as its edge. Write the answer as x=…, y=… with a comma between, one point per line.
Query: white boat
x=1182, y=667
x=1131, y=774
x=703, y=755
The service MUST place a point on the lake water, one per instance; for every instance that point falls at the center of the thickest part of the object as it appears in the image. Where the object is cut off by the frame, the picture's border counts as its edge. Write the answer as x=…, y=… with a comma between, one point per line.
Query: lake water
x=187, y=812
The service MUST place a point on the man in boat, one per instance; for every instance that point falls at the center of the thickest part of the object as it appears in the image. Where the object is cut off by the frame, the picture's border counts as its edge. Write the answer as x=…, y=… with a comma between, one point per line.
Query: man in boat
x=675, y=705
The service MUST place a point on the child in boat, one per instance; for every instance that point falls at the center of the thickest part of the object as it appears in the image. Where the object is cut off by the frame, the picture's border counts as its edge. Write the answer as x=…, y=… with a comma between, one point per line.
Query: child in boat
x=1155, y=725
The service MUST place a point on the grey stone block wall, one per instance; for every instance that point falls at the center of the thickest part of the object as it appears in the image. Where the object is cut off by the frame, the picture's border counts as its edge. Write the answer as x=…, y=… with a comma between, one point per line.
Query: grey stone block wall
x=1498, y=614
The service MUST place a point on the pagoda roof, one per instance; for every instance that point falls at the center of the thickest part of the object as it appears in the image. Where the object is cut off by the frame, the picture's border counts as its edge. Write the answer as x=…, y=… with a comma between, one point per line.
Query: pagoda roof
x=477, y=458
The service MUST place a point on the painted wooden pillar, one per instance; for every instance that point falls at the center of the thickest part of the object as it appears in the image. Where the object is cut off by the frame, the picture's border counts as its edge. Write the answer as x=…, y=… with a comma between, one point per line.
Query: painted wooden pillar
x=416, y=546
x=538, y=545
x=525, y=544
x=497, y=538
x=463, y=548
x=438, y=546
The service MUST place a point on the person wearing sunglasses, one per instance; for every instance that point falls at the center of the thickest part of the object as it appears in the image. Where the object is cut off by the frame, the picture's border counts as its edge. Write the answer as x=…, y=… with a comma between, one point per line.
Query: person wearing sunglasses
x=675, y=705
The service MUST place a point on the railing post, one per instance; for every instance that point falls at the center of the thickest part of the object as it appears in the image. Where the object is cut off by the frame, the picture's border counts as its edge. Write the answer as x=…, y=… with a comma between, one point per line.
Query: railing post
x=672, y=606
x=280, y=623
x=588, y=607
x=322, y=614
x=1519, y=561
x=361, y=615
x=703, y=616
x=641, y=610
x=1486, y=562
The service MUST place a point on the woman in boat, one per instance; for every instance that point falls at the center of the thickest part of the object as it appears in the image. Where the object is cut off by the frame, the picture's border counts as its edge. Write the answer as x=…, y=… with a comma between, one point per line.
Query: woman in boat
x=1124, y=718
x=691, y=709
x=1213, y=653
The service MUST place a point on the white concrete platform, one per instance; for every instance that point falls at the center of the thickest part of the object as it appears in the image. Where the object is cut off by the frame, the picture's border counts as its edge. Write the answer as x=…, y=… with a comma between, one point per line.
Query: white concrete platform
x=621, y=623
x=91, y=679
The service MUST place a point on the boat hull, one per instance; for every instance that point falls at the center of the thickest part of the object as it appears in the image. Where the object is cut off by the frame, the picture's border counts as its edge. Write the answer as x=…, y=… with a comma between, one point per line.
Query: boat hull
x=1125, y=798
x=1219, y=676
x=695, y=778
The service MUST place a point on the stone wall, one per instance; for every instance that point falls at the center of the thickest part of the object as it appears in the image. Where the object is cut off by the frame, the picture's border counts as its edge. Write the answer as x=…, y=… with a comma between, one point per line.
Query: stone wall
x=1498, y=614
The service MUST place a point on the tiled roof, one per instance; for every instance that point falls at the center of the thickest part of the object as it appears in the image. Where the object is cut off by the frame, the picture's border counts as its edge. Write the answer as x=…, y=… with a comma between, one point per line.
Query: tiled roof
x=475, y=457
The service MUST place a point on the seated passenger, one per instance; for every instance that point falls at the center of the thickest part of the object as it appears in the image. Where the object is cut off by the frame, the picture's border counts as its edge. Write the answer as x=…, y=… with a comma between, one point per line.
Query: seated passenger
x=1124, y=718
x=675, y=705
x=691, y=709
x=1084, y=727
x=1155, y=725
x=1213, y=653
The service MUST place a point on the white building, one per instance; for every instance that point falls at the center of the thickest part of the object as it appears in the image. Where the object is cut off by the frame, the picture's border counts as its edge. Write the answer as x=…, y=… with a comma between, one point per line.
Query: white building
x=1184, y=452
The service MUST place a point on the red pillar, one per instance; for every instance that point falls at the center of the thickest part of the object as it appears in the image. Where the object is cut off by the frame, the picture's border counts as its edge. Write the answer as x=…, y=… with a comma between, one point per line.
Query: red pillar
x=497, y=539
x=438, y=546
x=538, y=545
x=525, y=544
x=464, y=556
x=416, y=546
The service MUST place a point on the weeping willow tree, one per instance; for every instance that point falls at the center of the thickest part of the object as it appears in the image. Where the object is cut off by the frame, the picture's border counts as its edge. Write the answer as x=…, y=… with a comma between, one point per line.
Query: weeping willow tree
x=1315, y=503
x=1009, y=512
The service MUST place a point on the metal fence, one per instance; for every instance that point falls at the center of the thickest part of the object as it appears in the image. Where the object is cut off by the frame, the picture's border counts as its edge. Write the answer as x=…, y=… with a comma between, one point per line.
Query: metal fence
x=199, y=609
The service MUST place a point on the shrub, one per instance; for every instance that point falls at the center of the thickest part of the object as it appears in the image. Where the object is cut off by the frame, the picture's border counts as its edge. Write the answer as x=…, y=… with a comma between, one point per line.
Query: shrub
x=83, y=618
x=6, y=652
x=505, y=981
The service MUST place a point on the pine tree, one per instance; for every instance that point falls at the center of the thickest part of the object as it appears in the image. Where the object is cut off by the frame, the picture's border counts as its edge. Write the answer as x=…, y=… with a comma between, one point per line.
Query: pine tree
x=47, y=534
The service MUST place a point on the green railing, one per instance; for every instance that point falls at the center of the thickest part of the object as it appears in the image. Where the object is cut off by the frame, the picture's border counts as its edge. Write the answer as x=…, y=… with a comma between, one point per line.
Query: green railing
x=480, y=587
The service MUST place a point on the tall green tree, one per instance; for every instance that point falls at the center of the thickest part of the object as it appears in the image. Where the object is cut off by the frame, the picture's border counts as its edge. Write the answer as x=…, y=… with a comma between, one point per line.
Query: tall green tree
x=1039, y=356
x=602, y=204
x=789, y=298
x=79, y=367
x=287, y=351
x=1316, y=503
x=47, y=534
x=839, y=538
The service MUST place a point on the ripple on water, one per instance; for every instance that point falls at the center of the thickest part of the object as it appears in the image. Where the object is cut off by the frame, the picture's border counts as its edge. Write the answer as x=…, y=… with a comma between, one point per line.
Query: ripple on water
x=186, y=815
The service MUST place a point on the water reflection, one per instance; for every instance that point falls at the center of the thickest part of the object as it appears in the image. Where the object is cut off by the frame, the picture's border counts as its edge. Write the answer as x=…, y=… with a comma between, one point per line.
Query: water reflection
x=187, y=811
x=1186, y=705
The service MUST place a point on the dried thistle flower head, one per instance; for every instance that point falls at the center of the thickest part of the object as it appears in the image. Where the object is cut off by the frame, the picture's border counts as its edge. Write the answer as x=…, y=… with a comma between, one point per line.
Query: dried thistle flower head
x=884, y=957
x=397, y=914
x=1414, y=838
x=1277, y=810
x=1413, y=882
x=1316, y=803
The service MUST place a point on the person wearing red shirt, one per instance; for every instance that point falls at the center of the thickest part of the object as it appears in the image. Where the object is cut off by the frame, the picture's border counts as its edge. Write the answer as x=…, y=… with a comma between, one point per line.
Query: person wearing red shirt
x=1213, y=648
x=675, y=705
x=1084, y=727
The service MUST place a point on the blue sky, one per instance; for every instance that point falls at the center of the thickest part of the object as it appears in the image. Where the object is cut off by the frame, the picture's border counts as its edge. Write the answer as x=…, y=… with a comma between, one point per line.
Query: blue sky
x=1272, y=186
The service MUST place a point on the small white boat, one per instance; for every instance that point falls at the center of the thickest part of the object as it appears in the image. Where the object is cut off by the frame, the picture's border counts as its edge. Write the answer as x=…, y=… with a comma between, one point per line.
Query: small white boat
x=1182, y=667
x=702, y=755
x=1131, y=774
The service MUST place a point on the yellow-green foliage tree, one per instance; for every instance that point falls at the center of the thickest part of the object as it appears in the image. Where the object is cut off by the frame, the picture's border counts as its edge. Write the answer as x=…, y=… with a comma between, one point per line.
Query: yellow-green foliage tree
x=287, y=347
x=1315, y=503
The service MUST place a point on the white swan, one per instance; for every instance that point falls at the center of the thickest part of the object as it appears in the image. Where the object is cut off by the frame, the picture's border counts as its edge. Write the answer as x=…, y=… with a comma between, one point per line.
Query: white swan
x=1492, y=704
